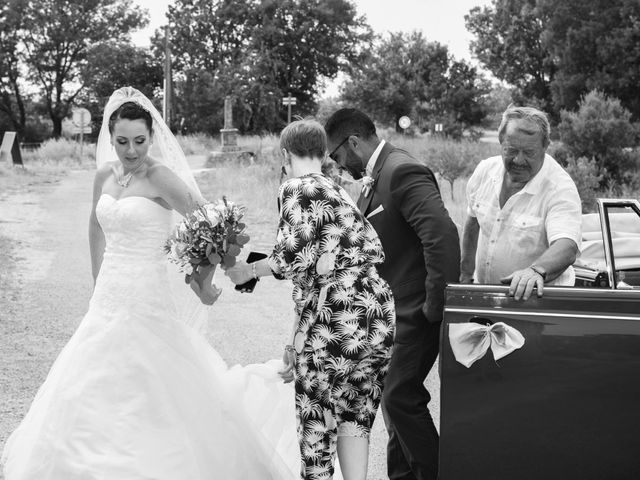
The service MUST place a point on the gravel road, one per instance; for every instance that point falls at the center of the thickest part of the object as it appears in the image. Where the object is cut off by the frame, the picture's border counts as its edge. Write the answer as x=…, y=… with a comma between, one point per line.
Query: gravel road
x=45, y=282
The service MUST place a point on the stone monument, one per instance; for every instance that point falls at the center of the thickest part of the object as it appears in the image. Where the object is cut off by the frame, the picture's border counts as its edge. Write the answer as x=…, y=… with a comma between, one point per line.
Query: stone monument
x=230, y=149
x=228, y=134
x=10, y=148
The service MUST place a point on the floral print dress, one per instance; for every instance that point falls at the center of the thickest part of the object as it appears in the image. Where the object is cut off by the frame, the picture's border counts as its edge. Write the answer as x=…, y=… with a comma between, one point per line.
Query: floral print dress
x=345, y=315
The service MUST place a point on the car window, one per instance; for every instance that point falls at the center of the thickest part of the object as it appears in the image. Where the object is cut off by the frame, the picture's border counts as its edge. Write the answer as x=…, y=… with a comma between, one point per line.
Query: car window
x=624, y=228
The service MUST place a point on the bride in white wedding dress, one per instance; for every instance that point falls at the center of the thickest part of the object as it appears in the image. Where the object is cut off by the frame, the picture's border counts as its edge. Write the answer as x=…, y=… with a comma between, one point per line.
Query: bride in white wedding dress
x=138, y=393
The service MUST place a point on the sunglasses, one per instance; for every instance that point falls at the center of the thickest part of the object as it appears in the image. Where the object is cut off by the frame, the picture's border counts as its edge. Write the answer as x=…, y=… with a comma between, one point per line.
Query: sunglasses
x=333, y=152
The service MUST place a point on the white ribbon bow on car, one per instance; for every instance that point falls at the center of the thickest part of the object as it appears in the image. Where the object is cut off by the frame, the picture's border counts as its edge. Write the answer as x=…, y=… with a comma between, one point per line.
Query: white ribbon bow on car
x=470, y=341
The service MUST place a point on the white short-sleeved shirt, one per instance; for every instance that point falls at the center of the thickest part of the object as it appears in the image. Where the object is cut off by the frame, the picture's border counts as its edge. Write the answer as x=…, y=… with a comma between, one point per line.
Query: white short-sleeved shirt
x=513, y=237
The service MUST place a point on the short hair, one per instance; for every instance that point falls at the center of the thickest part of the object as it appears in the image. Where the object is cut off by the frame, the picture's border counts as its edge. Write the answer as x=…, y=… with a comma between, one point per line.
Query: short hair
x=304, y=138
x=531, y=114
x=131, y=111
x=350, y=121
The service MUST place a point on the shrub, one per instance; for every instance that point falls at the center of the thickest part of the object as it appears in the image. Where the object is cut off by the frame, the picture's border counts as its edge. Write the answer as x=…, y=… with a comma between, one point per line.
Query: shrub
x=37, y=129
x=63, y=152
x=560, y=152
x=602, y=129
x=621, y=191
x=450, y=159
x=587, y=176
x=450, y=165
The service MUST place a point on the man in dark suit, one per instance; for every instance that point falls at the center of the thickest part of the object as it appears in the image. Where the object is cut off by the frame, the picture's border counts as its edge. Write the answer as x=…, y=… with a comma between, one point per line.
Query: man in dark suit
x=402, y=201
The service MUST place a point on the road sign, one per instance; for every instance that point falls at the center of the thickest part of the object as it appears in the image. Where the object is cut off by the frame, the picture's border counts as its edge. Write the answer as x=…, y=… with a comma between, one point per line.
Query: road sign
x=289, y=100
x=77, y=130
x=404, y=122
x=81, y=117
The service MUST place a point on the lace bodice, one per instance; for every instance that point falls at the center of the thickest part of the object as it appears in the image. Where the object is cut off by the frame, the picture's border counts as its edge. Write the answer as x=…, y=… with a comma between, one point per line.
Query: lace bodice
x=133, y=274
x=134, y=227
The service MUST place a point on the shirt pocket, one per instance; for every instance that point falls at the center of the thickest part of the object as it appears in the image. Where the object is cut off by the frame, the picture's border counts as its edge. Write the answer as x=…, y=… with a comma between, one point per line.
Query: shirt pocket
x=527, y=222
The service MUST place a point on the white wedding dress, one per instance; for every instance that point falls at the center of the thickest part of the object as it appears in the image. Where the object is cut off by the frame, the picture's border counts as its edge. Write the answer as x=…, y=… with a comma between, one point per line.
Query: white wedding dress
x=138, y=394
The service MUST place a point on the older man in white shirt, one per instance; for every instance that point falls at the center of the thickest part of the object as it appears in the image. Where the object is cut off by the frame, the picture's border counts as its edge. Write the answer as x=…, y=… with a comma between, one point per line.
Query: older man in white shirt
x=524, y=212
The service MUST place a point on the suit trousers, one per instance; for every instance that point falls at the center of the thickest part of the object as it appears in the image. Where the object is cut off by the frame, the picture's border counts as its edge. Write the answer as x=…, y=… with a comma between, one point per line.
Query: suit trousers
x=412, y=452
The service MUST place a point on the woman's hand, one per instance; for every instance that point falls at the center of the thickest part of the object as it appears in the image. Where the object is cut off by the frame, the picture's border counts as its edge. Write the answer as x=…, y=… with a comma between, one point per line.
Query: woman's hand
x=289, y=359
x=240, y=273
x=201, y=283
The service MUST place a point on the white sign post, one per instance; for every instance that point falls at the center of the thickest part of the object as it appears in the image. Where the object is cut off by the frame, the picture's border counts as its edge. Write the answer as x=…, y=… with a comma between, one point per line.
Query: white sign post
x=81, y=118
x=288, y=101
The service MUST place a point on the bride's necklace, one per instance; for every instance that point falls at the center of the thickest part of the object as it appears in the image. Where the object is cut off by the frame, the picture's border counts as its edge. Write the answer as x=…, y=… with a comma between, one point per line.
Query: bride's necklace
x=123, y=179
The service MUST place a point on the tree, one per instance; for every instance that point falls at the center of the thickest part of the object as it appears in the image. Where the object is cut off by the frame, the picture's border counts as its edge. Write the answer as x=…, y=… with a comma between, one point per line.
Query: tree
x=601, y=128
x=407, y=75
x=200, y=101
x=496, y=102
x=399, y=74
x=258, y=51
x=114, y=64
x=555, y=51
x=56, y=37
x=510, y=43
x=12, y=104
x=463, y=96
x=595, y=46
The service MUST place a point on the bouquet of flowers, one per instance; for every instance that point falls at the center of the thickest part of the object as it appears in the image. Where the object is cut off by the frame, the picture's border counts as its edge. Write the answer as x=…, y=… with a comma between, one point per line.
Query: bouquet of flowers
x=211, y=234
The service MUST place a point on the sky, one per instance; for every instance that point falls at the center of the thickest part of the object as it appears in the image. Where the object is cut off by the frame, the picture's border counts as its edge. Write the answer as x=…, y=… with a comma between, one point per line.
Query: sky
x=439, y=20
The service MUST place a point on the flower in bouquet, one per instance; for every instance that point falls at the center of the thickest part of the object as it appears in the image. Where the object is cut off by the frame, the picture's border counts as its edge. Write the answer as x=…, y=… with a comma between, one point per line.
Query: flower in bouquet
x=211, y=234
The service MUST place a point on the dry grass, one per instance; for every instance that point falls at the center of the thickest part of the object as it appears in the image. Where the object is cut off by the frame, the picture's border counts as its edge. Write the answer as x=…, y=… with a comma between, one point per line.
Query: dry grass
x=256, y=186
x=46, y=165
x=198, y=143
x=62, y=153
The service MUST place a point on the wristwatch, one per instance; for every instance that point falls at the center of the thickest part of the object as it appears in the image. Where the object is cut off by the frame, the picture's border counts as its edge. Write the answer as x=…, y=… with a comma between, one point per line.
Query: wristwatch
x=540, y=271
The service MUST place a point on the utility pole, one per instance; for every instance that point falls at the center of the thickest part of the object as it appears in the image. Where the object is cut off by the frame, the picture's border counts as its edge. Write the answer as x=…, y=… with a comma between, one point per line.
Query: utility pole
x=166, y=104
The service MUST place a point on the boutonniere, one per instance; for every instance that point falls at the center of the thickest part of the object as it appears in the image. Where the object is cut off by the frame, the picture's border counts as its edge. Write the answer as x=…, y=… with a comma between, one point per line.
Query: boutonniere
x=367, y=185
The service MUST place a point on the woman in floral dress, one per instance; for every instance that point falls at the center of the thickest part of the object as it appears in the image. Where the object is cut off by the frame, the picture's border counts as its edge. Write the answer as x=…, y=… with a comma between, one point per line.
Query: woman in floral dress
x=345, y=317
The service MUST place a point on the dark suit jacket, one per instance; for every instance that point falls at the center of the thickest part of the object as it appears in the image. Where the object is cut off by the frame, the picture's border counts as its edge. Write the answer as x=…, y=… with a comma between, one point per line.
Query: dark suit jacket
x=420, y=241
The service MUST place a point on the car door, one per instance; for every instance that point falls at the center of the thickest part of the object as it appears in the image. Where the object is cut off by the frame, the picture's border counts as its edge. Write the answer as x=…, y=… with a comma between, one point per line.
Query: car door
x=566, y=405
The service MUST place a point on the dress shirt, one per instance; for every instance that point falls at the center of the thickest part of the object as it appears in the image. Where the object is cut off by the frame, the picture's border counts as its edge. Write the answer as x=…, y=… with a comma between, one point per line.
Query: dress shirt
x=513, y=237
x=373, y=159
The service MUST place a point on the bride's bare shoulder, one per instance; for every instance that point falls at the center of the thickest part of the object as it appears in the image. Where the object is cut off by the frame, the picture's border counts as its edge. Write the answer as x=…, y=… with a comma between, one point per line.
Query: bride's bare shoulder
x=162, y=177
x=104, y=171
x=158, y=170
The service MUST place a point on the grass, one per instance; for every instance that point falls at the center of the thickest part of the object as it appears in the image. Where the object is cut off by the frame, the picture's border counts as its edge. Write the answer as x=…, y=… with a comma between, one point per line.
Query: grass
x=254, y=181
x=198, y=143
x=62, y=153
x=256, y=186
x=45, y=165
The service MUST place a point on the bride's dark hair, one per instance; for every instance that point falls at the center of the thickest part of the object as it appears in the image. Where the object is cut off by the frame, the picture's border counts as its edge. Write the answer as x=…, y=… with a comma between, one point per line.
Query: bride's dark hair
x=131, y=111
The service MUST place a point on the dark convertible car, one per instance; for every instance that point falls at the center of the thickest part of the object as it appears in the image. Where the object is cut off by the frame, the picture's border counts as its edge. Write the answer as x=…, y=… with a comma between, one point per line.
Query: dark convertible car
x=566, y=404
